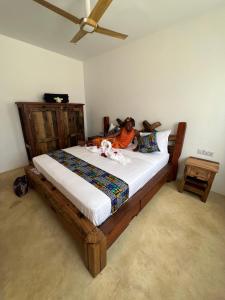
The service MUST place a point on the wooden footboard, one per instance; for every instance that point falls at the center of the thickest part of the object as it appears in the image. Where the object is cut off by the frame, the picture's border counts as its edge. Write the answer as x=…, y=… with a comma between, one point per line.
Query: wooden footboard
x=92, y=238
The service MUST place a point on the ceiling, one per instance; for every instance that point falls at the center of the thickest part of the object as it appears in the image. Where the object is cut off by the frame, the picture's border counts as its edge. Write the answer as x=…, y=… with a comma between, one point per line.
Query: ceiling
x=30, y=22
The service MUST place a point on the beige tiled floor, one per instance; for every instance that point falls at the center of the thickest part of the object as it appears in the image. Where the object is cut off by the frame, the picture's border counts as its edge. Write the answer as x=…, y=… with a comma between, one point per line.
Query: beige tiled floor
x=174, y=249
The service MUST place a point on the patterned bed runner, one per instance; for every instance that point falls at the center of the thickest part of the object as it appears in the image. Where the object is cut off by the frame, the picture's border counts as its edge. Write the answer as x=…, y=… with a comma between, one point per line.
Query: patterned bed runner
x=115, y=188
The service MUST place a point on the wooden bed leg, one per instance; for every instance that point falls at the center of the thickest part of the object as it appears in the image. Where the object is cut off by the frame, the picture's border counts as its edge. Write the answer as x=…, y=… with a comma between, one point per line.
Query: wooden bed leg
x=174, y=173
x=95, y=251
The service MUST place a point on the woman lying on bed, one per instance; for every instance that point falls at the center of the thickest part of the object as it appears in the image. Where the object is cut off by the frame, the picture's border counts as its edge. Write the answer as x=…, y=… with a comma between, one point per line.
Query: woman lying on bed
x=121, y=139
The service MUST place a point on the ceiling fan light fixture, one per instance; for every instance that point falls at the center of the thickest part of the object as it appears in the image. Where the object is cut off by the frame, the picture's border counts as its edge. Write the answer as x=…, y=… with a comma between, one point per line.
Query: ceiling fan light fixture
x=88, y=25
x=88, y=28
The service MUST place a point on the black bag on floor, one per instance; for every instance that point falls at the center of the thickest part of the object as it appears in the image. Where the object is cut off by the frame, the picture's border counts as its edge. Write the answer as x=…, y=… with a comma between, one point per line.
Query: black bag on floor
x=20, y=186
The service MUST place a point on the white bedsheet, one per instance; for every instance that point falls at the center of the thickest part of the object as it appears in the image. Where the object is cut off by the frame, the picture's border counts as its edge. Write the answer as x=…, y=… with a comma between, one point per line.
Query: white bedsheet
x=92, y=202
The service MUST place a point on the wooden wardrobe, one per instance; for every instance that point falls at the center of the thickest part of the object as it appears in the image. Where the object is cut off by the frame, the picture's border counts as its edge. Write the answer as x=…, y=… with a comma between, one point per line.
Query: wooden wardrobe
x=50, y=126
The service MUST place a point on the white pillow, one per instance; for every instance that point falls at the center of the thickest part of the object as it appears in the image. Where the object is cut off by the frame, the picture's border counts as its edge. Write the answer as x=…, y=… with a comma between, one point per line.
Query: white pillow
x=162, y=140
x=144, y=133
x=112, y=126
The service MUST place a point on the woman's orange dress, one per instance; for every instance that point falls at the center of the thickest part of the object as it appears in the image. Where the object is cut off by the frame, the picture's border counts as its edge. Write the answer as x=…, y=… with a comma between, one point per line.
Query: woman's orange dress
x=121, y=141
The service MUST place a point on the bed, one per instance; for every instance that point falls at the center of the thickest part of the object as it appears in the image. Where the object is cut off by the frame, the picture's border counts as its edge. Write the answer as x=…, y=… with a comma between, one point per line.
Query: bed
x=140, y=169
x=85, y=210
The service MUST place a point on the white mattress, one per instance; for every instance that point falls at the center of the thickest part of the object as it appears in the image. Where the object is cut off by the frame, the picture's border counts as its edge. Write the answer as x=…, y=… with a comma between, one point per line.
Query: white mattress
x=92, y=202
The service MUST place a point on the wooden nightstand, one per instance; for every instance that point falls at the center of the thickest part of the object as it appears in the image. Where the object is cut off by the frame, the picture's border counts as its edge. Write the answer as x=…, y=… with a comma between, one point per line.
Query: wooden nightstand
x=198, y=176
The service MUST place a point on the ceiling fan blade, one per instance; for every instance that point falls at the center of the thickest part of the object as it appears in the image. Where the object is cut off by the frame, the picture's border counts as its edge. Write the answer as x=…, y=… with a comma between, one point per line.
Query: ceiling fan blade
x=78, y=36
x=99, y=9
x=111, y=33
x=59, y=11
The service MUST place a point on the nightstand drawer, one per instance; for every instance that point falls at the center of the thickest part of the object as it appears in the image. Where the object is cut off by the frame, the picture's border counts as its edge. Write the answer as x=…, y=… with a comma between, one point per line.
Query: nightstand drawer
x=198, y=173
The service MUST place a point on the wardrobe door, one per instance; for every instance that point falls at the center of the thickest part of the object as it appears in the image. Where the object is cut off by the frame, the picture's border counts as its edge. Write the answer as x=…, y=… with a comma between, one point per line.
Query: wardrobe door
x=45, y=131
x=73, y=125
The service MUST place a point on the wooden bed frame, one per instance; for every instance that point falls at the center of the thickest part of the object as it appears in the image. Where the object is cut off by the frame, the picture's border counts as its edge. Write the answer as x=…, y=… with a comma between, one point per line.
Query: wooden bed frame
x=96, y=240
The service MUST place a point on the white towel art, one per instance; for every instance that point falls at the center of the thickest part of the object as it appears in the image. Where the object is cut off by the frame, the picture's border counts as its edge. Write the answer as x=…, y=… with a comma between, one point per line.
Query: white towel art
x=107, y=151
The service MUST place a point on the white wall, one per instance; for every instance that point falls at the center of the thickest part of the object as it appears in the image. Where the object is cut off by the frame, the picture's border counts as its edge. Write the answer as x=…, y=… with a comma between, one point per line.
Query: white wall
x=174, y=75
x=26, y=72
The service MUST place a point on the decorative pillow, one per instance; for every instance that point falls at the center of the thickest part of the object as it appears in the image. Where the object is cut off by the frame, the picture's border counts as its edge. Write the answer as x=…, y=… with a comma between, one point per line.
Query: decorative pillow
x=143, y=133
x=162, y=140
x=148, y=143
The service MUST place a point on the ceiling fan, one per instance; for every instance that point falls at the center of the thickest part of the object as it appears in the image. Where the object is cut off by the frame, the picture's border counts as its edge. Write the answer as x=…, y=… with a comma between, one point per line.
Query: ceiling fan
x=88, y=24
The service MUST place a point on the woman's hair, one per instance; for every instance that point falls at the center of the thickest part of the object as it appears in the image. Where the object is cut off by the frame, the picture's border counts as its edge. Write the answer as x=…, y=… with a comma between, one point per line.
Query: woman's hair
x=129, y=119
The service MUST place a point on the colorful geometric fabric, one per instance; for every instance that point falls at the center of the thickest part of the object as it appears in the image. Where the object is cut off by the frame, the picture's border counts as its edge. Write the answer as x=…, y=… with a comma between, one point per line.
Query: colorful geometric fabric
x=148, y=143
x=115, y=188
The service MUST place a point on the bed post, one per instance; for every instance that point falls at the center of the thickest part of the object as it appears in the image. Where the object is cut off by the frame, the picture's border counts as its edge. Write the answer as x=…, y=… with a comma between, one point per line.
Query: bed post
x=105, y=125
x=91, y=237
x=178, y=148
x=95, y=251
